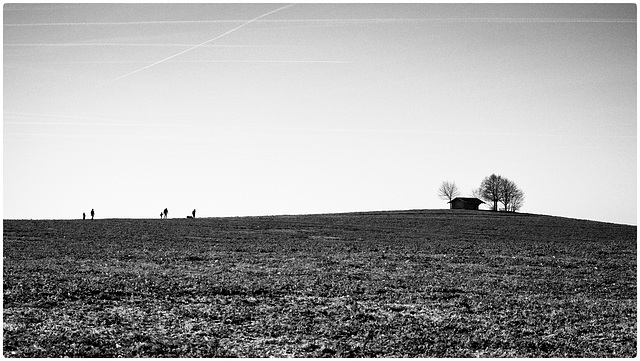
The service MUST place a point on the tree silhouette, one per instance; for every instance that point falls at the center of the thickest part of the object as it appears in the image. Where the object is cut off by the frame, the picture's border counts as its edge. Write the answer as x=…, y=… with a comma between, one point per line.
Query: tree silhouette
x=507, y=190
x=490, y=190
x=517, y=200
x=448, y=190
x=497, y=189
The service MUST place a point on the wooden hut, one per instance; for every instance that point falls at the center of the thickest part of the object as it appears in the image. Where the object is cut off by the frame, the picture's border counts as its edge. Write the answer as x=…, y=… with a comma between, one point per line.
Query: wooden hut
x=465, y=203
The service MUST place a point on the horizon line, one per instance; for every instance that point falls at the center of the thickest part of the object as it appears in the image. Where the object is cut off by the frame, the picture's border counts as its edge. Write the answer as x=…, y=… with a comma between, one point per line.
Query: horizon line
x=413, y=210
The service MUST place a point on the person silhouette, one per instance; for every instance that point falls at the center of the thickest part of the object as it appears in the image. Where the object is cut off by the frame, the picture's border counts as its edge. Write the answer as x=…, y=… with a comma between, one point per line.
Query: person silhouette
x=84, y=216
x=160, y=215
x=166, y=211
x=92, y=213
x=194, y=213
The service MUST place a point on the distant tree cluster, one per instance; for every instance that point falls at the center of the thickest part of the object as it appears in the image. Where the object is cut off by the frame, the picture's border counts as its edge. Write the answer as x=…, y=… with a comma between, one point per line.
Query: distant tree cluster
x=495, y=190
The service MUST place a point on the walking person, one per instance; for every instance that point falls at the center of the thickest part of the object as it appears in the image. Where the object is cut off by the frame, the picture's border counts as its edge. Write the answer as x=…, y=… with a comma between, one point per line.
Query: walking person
x=92, y=213
x=194, y=213
x=166, y=211
x=84, y=216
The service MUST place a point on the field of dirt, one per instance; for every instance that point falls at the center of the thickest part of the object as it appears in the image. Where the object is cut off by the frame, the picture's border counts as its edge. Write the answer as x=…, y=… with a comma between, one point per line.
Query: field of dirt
x=378, y=284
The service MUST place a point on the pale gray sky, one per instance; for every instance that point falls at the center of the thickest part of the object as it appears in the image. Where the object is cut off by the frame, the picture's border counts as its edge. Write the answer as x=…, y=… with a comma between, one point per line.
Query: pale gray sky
x=239, y=109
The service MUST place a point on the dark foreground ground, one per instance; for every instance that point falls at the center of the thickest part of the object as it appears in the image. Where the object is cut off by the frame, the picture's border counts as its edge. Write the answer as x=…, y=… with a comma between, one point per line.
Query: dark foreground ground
x=415, y=283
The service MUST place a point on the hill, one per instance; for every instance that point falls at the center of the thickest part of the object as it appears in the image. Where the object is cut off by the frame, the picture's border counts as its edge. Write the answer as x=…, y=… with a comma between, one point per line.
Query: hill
x=405, y=283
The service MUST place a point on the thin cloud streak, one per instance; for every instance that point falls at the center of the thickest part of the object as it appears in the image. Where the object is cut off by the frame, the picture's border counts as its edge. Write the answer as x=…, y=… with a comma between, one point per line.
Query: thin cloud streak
x=110, y=114
x=192, y=62
x=41, y=119
x=344, y=21
x=99, y=124
x=35, y=117
x=8, y=137
x=141, y=45
x=51, y=7
x=197, y=46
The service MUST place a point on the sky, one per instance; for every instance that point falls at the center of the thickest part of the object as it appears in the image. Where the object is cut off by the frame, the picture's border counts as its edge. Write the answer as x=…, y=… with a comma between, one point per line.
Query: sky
x=272, y=108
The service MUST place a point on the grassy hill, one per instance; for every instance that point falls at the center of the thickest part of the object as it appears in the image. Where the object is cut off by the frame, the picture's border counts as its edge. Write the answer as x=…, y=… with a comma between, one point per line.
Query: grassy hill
x=421, y=283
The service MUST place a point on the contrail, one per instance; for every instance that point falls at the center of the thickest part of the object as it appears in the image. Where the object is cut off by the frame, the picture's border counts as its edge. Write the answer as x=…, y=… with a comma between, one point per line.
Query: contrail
x=197, y=46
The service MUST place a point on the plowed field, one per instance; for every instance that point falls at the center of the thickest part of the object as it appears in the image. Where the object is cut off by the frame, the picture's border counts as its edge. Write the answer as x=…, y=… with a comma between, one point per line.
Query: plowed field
x=411, y=283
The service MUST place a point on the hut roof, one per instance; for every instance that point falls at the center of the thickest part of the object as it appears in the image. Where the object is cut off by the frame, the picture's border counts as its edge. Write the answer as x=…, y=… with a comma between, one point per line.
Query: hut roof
x=467, y=200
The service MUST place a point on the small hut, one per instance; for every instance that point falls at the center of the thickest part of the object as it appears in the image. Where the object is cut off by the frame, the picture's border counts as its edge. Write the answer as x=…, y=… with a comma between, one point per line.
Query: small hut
x=465, y=203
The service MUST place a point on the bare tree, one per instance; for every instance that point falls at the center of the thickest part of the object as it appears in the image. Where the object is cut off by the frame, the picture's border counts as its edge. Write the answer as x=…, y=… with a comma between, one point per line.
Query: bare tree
x=490, y=190
x=497, y=189
x=517, y=200
x=507, y=190
x=511, y=196
x=448, y=190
